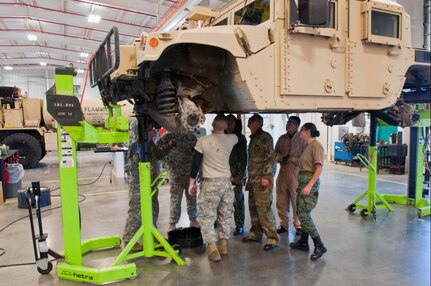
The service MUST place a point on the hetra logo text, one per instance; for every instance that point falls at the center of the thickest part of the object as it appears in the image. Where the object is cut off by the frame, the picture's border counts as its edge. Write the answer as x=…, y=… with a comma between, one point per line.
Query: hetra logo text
x=76, y=275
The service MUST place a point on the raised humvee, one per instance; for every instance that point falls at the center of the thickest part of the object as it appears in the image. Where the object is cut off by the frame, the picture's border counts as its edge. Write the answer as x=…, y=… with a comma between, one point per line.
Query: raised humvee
x=338, y=57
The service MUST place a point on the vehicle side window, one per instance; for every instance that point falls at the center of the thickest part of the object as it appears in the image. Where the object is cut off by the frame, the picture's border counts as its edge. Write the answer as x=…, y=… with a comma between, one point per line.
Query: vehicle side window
x=222, y=23
x=385, y=24
x=295, y=18
x=253, y=14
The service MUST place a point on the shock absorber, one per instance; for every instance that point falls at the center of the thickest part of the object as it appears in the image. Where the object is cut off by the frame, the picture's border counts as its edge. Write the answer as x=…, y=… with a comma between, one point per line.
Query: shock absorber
x=166, y=98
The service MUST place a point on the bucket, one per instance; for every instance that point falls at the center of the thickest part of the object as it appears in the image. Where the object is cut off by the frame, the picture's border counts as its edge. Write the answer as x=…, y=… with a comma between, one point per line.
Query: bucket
x=45, y=198
x=11, y=189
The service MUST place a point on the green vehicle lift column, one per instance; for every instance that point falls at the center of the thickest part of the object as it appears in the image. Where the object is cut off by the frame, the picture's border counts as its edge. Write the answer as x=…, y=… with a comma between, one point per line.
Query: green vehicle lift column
x=373, y=196
x=66, y=106
x=416, y=168
x=72, y=128
x=154, y=244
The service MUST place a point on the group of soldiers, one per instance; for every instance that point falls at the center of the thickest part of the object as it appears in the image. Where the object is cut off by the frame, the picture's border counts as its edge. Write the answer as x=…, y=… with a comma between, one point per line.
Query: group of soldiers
x=253, y=167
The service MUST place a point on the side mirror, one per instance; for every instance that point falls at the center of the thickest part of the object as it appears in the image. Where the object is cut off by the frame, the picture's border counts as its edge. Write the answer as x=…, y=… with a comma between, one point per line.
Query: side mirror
x=313, y=12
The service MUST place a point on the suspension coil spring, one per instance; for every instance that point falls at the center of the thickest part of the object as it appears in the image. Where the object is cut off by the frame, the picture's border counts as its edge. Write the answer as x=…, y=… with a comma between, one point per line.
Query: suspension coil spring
x=166, y=97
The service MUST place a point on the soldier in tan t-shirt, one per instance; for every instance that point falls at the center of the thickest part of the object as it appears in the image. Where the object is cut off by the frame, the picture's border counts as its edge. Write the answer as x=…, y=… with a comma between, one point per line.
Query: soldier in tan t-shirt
x=310, y=168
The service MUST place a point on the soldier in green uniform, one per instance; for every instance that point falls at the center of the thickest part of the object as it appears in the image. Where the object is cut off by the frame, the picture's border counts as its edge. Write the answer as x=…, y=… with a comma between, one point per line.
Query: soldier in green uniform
x=310, y=168
x=133, y=221
x=260, y=180
x=238, y=166
x=179, y=161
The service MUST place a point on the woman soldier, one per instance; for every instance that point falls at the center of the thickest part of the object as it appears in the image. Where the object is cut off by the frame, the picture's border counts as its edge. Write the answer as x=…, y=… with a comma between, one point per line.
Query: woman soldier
x=310, y=168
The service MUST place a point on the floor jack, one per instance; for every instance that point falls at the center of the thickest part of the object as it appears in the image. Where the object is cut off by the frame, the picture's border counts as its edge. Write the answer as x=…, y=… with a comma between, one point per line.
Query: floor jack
x=40, y=245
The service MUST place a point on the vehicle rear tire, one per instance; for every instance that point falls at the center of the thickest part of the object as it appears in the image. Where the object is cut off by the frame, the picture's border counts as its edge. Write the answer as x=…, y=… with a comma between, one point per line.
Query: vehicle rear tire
x=29, y=148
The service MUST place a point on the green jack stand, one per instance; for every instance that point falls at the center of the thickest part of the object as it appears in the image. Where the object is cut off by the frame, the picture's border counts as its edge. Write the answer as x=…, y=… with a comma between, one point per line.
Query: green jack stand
x=416, y=169
x=65, y=108
x=374, y=196
x=153, y=241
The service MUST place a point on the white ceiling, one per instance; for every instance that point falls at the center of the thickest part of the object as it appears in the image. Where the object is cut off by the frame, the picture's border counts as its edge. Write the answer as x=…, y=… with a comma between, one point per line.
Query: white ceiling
x=63, y=31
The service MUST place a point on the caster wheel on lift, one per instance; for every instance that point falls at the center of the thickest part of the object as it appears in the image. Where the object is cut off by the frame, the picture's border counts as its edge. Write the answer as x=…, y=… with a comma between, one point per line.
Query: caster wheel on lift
x=46, y=271
x=364, y=213
x=351, y=208
x=178, y=249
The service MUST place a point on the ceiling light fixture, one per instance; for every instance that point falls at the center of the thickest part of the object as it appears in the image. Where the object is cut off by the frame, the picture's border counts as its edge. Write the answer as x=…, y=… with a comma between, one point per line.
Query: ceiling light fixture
x=84, y=55
x=43, y=63
x=93, y=18
x=80, y=71
x=8, y=68
x=32, y=37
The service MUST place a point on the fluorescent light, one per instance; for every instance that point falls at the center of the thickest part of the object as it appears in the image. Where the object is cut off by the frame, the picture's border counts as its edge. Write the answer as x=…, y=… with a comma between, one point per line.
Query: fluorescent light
x=84, y=55
x=43, y=63
x=32, y=37
x=8, y=68
x=80, y=71
x=93, y=18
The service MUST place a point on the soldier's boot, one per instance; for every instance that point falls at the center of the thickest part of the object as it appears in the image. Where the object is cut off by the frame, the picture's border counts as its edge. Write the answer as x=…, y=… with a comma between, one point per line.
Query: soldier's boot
x=172, y=227
x=212, y=252
x=319, y=249
x=137, y=247
x=302, y=243
x=195, y=223
x=222, y=246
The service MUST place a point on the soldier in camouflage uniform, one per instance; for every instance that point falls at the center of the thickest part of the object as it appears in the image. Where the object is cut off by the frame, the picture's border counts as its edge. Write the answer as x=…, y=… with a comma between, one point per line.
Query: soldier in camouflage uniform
x=310, y=168
x=238, y=165
x=133, y=222
x=260, y=180
x=215, y=199
x=179, y=161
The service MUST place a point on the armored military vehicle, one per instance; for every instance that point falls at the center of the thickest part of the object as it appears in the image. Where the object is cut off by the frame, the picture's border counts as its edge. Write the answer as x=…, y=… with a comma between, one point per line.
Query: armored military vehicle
x=338, y=57
x=26, y=126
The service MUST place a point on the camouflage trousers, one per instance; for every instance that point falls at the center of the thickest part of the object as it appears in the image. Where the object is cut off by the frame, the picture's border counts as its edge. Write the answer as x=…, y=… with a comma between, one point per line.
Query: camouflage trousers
x=286, y=185
x=178, y=188
x=133, y=221
x=238, y=204
x=215, y=204
x=261, y=216
x=305, y=204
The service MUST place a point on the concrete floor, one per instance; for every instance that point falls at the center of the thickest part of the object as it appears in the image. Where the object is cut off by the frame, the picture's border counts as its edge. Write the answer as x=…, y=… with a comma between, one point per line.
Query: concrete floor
x=395, y=250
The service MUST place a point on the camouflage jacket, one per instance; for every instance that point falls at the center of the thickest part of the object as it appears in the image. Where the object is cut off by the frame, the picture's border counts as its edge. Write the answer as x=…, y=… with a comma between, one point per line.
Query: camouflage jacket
x=261, y=158
x=180, y=158
x=156, y=153
x=238, y=158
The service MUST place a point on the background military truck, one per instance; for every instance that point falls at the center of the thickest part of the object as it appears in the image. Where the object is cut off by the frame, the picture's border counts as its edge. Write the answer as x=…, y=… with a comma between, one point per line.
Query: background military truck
x=338, y=57
x=26, y=126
